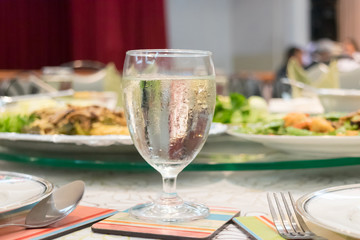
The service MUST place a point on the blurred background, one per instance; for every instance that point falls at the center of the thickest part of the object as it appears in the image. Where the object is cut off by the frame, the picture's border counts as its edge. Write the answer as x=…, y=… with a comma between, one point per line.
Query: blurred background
x=249, y=38
x=247, y=34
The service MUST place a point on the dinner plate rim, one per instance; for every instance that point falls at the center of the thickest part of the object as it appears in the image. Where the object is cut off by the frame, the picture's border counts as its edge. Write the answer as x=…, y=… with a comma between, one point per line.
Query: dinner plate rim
x=90, y=140
x=302, y=201
x=48, y=189
x=263, y=137
x=318, y=146
x=94, y=140
x=231, y=131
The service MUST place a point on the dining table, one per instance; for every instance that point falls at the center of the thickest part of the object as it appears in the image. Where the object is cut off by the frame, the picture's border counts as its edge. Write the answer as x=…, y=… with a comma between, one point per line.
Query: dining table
x=243, y=189
x=228, y=172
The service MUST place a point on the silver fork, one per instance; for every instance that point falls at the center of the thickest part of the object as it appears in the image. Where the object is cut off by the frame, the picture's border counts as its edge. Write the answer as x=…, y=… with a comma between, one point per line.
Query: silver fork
x=288, y=222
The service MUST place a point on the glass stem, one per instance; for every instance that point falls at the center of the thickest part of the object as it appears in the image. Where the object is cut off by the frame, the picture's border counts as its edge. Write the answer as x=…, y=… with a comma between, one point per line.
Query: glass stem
x=169, y=185
x=169, y=195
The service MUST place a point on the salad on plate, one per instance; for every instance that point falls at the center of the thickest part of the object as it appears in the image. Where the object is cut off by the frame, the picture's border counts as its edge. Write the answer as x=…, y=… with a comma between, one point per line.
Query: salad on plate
x=302, y=124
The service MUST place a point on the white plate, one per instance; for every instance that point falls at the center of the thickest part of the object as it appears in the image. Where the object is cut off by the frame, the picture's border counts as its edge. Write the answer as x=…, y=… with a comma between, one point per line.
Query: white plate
x=317, y=146
x=217, y=129
x=79, y=143
x=93, y=141
x=337, y=209
x=68, y=143
x=20, y=191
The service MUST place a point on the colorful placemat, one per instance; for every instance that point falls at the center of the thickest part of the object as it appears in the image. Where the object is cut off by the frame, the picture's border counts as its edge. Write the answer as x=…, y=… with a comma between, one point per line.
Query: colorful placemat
x=123, y=224
x=260, y=227
x=80, y=217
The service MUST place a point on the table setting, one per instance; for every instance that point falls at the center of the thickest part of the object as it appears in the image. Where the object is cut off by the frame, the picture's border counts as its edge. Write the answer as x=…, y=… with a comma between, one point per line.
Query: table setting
x=64, y=186
x=246, y=191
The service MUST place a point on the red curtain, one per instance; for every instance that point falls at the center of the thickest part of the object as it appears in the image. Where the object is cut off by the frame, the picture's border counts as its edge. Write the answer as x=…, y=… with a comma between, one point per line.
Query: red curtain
x=105, y=30
x=35, y=33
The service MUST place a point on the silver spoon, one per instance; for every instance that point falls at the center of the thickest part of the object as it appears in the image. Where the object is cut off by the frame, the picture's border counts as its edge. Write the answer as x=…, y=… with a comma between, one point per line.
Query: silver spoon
x=54, y=207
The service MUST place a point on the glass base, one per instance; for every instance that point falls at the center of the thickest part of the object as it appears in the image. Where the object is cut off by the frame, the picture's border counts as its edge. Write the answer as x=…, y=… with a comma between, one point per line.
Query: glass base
x=153, y=212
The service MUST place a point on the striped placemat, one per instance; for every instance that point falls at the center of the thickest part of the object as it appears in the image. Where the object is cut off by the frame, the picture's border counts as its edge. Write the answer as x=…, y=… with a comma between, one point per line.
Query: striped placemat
x=123, y=224
x=82, y=216
x=260, y=227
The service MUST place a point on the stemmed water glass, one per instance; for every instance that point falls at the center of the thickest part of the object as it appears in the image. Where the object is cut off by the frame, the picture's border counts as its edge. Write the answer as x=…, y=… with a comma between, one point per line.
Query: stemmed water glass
x=169, y=100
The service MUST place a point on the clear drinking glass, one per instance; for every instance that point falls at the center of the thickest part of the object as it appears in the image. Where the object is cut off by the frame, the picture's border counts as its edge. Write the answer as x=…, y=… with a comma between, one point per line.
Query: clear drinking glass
x=169, y=98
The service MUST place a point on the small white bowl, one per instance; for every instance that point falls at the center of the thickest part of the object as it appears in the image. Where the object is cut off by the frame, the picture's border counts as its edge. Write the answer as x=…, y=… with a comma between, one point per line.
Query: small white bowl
x=339, y=100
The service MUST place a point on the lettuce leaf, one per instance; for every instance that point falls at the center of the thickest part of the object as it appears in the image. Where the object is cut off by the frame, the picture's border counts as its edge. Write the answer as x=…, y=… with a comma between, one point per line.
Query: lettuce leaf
x=15, y=123
x=236, y=108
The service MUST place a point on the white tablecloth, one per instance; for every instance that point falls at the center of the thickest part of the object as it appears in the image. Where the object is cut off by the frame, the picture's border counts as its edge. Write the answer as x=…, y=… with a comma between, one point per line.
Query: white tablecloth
x=245, y=190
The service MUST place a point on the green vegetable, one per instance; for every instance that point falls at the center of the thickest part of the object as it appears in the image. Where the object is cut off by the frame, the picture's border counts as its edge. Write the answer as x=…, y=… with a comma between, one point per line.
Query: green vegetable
x=299, y=132
x=334, y=116
x=237, y=109
x=223, y=116
x=79, y=129
x=238, y=116
x=349, y=126
x=274, y=125
x=15, y=123
x=238, y=101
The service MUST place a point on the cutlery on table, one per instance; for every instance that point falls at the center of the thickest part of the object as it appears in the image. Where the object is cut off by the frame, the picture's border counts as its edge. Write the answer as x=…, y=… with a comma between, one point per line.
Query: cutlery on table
x=54, y=207
x=288, y=222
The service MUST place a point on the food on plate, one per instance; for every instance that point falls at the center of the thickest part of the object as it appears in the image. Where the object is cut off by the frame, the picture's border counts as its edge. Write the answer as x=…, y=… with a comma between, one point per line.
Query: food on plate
x=319, y=125
x=294, y=119
x=236, y=108
x=302, y=124
x=15, y=123
x=71, y=120
x=304, y=121
x=31, y=103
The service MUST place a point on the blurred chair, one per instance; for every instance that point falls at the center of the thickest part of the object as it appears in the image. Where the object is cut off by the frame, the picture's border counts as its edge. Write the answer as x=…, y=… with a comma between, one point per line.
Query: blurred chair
x=252, y=84
x=60, y=78
x=222, y=82
x=24, y=83
x=245, y=84
x=88, y=75
x=11, y=87
x=84, y=64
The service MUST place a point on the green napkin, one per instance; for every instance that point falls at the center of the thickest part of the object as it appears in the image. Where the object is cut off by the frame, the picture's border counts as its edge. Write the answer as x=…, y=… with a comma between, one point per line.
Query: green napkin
x=329, y=79
x=295, y=71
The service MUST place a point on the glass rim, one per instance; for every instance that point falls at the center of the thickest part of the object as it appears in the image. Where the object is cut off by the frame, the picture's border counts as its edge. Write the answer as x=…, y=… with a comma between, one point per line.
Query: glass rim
x=169, y=53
